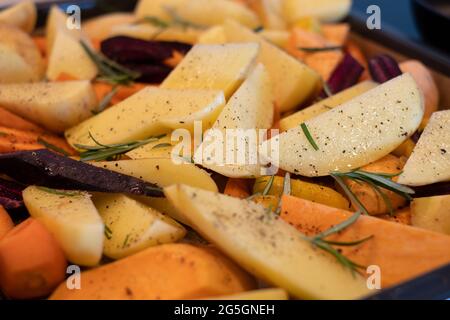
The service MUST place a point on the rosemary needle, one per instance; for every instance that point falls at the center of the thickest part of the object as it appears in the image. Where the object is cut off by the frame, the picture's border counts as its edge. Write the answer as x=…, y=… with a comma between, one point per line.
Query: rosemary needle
x=309, y=136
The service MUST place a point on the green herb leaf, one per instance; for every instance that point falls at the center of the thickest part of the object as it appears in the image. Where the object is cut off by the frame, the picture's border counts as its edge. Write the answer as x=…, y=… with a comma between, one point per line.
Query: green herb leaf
x=125, y=242
x=107, y=99
x=162, y=145
x=108, y=232
x=60, y=192
x=309, y=136
x=155, y=21
x=268, y=186
x=286, y=191
x=320, y=49
x=347, y=244
x=339, y=227
x=50, y=146
x=327, y=89
x=353, y=198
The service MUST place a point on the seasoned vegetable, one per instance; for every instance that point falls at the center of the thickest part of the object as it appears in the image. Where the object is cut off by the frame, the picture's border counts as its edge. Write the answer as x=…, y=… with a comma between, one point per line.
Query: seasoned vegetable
x=11, y=120
x=131, y=226
x=56, y=22
x=6, y=222
x=261, y=294
x=23, y=15
x=171, y=271
x=432, y=213
x=46, y=168
x=72, y=219
x=325, y=10
x=402, y=252
x=384, y=68
x=304, y=190
x=430, y=160
x=238, y=188
x=31, y=262
x=11, y=194
x=265, y=245
x=354, y=134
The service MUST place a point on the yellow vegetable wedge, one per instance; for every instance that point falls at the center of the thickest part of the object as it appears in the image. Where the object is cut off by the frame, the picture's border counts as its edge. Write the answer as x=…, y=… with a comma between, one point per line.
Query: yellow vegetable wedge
x=293, y=81
x=295, y=119
x=325, y=10
x=131, y=226
x=23, y=15
x=265, y=245
x=431, y=213
x=354, y=134
x=149, y=112
x=261, y=294
x=217, y=67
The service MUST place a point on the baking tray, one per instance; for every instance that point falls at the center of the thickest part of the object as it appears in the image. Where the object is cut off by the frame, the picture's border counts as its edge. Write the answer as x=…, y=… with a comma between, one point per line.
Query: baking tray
x=434, y=285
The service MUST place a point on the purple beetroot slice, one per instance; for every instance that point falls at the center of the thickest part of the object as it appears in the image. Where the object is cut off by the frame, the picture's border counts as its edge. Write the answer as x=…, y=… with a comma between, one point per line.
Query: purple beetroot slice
x=124, y=49
x=345, y=75
x=11, y=194
x=49, y=169
x=384, y=68
x=150, y=73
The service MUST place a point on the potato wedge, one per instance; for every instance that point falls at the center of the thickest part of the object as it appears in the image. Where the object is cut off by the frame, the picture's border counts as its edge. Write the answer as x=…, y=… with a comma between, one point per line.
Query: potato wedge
x=20, y=58
x=430, y=160
x=354, y=134
x=56, y=22
x=251, y=107
x=54, y=105
x=73, y=220
x=260, y=294
x=23, y=15
x=67, y=52
x=131, y=226
x=265, y=245
x=325, y=10
x=214, y=35
x=99, y=28
x=151, y=111
x=198, y=12
x=295, y=119
x=218, y=67
x=431, y=213
x=293, y=81
x=271, y=14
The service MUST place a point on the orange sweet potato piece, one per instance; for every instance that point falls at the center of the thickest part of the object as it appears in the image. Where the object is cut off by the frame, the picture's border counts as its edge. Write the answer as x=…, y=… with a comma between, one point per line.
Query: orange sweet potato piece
x=324, y=62
x=238, y=188
x=102, y=89
x=356, y=52
x=31, y=262
x=337, y=33
x=6, y=224
x=170, y=271
x=402, y=252
x=11, y=120
x=41, y=44
x=402, y=216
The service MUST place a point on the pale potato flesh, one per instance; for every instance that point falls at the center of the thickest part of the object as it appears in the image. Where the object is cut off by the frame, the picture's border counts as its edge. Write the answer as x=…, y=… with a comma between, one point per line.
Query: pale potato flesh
x=23, y=15
x=261, y=294
x=57, y=22
x=265, y=245
x=13, y=67
x=100, y=27
x=132, y=226
x=251, y=107
x=218, y=67
x=271, y=13
x=325, y=10
x=214, y=35
x=68, y=57
x=151, y=111
x=354, y=134
x=56, y=106
x=431, y=213
x=199, y=12
x=72, y=219
x=325, y=105
x=430, y=160
x=293, y=82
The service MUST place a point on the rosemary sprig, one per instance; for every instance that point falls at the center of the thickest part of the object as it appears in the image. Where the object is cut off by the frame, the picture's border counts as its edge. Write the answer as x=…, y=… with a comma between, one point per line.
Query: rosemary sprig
x=309, y=136
x=107, y=99
x=108, y=151
x=108, y=232
x=327, y=89
x=60, y=192
x=286, y=191
x=51, y=146
x=125, y=242
x=109, y=70
x=320, y=49
x=162, y=145
x=268, y=186
x=155, y=21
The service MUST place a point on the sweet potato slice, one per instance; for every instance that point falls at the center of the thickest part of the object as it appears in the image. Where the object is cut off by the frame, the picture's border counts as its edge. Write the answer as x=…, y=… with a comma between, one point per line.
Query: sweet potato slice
x=11, y=120
x=402, y=252
x=6, y=222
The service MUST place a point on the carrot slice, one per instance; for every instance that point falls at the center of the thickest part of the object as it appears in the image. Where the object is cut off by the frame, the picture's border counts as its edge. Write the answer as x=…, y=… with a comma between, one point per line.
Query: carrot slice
x=402, y=252
x=11, y=120
x=239, y=188
x=6, y=224
x=31, y=262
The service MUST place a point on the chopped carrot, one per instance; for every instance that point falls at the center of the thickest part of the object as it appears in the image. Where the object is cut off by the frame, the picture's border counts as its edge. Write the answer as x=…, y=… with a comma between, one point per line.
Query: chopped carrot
x=336, y=33
x=356, y=52
x=239, y=188
x=11, y=120
x=41, y=43
x=301, y=38
x=402, y=216
x=6, y=224
x=324, y=63
x=103, y=88
x=31, y=262
x=402, y=252
x=65, y=77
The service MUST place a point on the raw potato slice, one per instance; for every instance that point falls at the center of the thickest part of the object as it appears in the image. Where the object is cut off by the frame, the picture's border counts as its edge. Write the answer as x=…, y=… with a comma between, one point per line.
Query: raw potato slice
x=17, y=49
x=131, y=226
x=23, y=16
x=56, y=22
x=265, y=245
x=218, y=67
x=430, y=160
x=325, y=105
x=214, y=35
x=280, y=38
x=261, y=294
x=198, y=12
x=149, y=32
x=171, y=271
x=72, y=218
x=432, y=213
x=99, y=28
x=54, y=105
x=293, y=81
x=354, y=134
x=325, y=10
x=251, y=107
x=271, y=13
x=151, y=111
x=68, y=57
x=159, y=149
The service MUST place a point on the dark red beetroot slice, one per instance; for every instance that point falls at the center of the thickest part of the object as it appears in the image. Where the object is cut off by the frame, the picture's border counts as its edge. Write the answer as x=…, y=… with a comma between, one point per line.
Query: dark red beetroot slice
x=124, y=49
x=46, y=168
x=11, y=194
x=384, y=68
x=150, y=73
x=345, y=75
